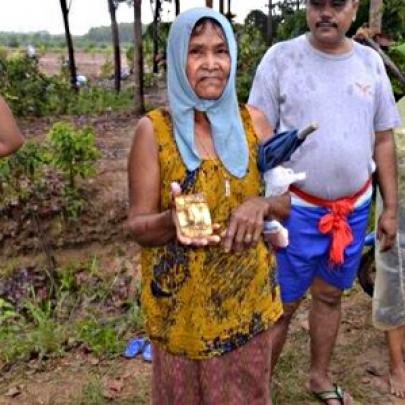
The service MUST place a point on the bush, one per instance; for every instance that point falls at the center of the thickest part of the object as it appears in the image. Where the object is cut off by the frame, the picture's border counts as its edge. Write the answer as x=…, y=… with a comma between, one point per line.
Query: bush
x=251, y=48
x=29, y=92
x=73, y=150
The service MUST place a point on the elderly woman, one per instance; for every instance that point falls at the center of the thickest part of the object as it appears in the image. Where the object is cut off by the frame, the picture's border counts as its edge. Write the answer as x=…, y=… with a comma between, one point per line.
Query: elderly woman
x=208, y=300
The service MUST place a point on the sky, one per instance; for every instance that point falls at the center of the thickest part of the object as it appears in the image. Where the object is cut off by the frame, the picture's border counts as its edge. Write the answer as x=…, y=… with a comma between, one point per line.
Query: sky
x=46, y=15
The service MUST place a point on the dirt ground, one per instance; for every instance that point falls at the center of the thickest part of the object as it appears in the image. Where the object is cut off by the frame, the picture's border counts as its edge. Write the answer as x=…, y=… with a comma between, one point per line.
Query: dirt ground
x=359, y=362
x=87, y=63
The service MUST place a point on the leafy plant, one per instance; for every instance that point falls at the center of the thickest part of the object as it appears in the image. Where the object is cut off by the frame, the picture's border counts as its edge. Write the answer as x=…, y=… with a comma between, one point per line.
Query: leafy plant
x=7, y=311
x=21, y=174
x=100, y=336
x=73, y=150
x=251, y=49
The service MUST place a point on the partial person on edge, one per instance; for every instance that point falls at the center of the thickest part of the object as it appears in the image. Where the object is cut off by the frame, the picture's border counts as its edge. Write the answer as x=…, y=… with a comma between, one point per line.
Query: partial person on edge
x=11, y=137
x=325, y=77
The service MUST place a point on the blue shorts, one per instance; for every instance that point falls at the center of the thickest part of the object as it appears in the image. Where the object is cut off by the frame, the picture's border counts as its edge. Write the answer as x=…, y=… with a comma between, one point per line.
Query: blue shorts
x=307, y=255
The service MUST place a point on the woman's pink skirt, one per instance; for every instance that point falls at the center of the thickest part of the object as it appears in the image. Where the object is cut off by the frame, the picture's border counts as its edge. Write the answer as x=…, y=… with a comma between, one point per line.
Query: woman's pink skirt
x=239, y=377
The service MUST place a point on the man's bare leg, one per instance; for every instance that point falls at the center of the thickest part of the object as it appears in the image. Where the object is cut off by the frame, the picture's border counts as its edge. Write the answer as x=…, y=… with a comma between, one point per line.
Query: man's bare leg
x=324, y=321
x=395, y=339
x=279, y=332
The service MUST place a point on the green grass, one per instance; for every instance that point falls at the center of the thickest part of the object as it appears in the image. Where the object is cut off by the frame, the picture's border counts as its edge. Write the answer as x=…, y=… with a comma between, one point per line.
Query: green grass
x=92, y=393
x=82, y=311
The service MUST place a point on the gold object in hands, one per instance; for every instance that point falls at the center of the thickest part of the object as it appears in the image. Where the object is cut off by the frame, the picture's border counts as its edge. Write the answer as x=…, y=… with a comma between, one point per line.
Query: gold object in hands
x=193, y=215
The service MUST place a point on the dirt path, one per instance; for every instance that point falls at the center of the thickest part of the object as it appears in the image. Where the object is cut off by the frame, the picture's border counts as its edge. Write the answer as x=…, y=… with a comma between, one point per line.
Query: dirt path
x=359, y=364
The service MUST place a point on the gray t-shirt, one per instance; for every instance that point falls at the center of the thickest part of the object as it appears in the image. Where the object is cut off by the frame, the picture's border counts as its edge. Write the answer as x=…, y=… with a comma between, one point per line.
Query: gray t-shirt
x=349, y=95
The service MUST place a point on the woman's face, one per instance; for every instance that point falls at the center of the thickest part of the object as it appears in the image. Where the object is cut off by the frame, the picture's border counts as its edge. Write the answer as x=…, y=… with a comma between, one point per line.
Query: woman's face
x=208, y=62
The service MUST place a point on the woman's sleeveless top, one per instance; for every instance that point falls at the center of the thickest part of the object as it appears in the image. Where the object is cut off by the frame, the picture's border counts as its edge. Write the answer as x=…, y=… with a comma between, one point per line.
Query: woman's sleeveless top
x=202, y=302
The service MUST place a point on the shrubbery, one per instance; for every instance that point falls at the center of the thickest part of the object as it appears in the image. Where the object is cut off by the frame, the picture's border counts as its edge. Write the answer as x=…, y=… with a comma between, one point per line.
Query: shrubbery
x=30, y=92
x=41, y=177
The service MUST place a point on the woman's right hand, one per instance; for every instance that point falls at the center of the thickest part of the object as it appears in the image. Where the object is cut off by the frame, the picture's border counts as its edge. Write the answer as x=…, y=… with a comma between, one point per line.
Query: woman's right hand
x=214, y=239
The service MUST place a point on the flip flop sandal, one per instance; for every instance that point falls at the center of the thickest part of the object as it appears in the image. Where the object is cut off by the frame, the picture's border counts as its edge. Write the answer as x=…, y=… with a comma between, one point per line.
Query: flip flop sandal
x=134, y=347
x=335, y=393
x=147, y=352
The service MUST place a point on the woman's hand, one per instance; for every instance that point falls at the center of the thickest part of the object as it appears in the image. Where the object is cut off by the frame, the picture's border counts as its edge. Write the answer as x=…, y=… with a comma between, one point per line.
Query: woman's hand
x=200, y=241
x=246, y=224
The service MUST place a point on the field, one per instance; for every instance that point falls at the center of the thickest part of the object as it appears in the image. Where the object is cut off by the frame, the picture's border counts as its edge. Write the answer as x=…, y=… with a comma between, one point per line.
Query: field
x=105, y=263
x=88, y=63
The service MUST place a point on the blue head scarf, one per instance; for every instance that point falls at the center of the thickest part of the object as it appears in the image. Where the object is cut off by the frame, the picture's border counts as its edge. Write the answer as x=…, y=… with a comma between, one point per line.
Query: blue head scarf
x=223, y=114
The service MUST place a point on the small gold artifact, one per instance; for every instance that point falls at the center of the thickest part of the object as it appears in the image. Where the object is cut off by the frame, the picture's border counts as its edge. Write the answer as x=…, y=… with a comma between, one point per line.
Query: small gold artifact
x=193, y=215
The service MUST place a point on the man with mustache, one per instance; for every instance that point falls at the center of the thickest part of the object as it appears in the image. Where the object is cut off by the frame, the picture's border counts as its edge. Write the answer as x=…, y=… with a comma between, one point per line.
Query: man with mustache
x=324, y=76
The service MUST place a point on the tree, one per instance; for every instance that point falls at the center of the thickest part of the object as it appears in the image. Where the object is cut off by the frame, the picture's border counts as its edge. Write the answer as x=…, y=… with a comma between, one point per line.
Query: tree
x=112, y=8
x=375, y=15
x=269, y=35
x=229, y=14
x=155, y=34
x=221, y=6
x=69, y=43
x=138, y=59
x=177, y=6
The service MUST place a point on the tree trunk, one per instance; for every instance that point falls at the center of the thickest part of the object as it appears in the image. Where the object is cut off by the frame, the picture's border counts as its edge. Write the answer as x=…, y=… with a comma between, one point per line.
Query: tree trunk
x=375, y=15
x=139, y=101
x=270, y=24
x=229, y=13
x=155, y=39
x=69, y=43
x=387, y=60
x=208, y=3
x=297, y=5
x=221, y=7
x=116, y=45
x=177, y=6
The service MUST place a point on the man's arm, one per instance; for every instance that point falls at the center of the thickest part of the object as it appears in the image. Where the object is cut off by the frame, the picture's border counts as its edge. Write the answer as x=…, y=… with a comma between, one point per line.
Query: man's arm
x=10, y=135
x=385, y=158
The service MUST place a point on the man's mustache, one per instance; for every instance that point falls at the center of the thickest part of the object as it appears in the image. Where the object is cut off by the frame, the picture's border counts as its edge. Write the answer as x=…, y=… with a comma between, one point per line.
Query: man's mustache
x=325, y=23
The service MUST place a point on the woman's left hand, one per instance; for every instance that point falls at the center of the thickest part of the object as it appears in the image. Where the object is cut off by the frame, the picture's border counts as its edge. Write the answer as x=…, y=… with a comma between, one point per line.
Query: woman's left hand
x=246, y=224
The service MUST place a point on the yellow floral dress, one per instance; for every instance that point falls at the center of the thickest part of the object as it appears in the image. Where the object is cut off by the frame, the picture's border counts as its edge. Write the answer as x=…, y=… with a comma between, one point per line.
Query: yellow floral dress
x=202, y=302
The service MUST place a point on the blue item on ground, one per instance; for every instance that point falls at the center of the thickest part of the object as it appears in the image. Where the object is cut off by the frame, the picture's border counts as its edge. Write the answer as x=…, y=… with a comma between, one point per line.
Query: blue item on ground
x=369, y=240
x=134, y=347
x=147, y=352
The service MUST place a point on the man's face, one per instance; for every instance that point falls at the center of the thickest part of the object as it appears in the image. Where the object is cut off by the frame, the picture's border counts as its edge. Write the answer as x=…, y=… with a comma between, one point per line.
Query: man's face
x=329, y=20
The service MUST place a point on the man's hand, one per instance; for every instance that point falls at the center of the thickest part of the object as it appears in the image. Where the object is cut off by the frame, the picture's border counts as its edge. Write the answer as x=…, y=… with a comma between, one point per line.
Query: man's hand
x=387, y=229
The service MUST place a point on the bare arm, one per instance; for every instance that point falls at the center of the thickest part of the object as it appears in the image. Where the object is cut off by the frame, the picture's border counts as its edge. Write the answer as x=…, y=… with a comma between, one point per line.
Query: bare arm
x=260, y=123
x=279, y=207
x=246, y=221
x=149, y=226
x=10, y=135
x=385, y=158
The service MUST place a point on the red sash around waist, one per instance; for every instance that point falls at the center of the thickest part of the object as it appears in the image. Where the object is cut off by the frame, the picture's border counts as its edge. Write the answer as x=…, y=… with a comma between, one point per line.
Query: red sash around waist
x=335, y=221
